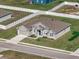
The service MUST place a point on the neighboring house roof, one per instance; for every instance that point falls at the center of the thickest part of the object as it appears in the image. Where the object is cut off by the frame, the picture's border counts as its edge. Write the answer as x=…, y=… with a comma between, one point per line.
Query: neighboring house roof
x=4, y=13
x=52, y=24
x=40, y=1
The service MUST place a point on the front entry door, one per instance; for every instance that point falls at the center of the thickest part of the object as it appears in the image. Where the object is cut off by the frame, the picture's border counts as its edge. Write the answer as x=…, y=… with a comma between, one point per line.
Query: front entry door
x=39, y=32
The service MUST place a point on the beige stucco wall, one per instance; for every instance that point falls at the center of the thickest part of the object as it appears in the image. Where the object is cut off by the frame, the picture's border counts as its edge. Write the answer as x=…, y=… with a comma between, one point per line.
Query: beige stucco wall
x=24, y=31
x=35, y=28
x=60, y=34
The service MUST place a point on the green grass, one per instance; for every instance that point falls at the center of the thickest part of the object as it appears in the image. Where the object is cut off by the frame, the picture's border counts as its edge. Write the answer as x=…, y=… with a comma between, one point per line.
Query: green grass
x=19, y=55
x=7, y=34
x=25, y=4
x=63, y=42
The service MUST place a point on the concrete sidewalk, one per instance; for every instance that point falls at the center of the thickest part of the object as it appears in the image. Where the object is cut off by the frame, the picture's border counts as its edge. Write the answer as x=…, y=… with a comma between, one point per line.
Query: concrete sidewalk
x=76, y=53
x=16, y=39
x=19, y=8
x=3, y=49
x=21, y=20
x=38, y=51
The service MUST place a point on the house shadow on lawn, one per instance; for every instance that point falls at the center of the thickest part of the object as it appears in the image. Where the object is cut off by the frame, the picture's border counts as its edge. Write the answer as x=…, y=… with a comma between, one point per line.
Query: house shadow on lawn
x=75, y=35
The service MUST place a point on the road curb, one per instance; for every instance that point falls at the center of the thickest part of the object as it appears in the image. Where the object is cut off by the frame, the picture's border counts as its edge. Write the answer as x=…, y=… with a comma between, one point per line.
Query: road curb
x=44, y=47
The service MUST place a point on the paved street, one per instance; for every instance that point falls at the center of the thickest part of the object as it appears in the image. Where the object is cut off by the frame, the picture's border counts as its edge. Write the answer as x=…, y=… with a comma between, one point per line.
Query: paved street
x=37, y=51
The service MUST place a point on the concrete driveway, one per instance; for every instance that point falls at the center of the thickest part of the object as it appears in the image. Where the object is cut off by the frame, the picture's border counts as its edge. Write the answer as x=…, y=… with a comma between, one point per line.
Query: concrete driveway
x=16, y=39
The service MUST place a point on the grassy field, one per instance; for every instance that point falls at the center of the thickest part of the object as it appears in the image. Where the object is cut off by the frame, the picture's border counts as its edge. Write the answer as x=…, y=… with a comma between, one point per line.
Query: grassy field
x=24, y=3
x=69, y=41
x=19, y=55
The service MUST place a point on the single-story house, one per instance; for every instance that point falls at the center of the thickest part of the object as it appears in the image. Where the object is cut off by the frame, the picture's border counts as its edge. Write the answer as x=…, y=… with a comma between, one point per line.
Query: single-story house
x=4, y=15
x=39, y=1
x=44, y=28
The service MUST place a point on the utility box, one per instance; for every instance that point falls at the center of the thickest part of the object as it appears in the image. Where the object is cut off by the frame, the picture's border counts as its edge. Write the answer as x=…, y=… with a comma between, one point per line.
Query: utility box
x=40, y=1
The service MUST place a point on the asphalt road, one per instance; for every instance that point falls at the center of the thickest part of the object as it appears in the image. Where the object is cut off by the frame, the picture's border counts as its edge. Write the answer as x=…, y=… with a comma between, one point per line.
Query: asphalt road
x=37, y=51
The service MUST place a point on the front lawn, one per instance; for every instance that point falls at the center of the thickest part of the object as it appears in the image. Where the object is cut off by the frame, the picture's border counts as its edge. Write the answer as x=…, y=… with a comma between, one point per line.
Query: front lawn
x=9, y=33
x=19, y=55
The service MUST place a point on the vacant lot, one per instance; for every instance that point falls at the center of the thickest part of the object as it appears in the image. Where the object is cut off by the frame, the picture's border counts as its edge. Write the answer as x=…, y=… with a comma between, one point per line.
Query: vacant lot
x=69, y=9
x=69, y=41
x=16, y=15
x=19, y=55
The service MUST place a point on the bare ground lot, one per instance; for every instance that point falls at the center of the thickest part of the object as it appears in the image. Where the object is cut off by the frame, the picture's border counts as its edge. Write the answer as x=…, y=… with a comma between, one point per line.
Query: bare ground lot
x=74, y=10
x=18, y=55
x=16, y=15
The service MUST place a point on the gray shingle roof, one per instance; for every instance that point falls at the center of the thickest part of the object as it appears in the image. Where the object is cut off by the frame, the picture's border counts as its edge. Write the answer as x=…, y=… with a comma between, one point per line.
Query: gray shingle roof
x=52, y=24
